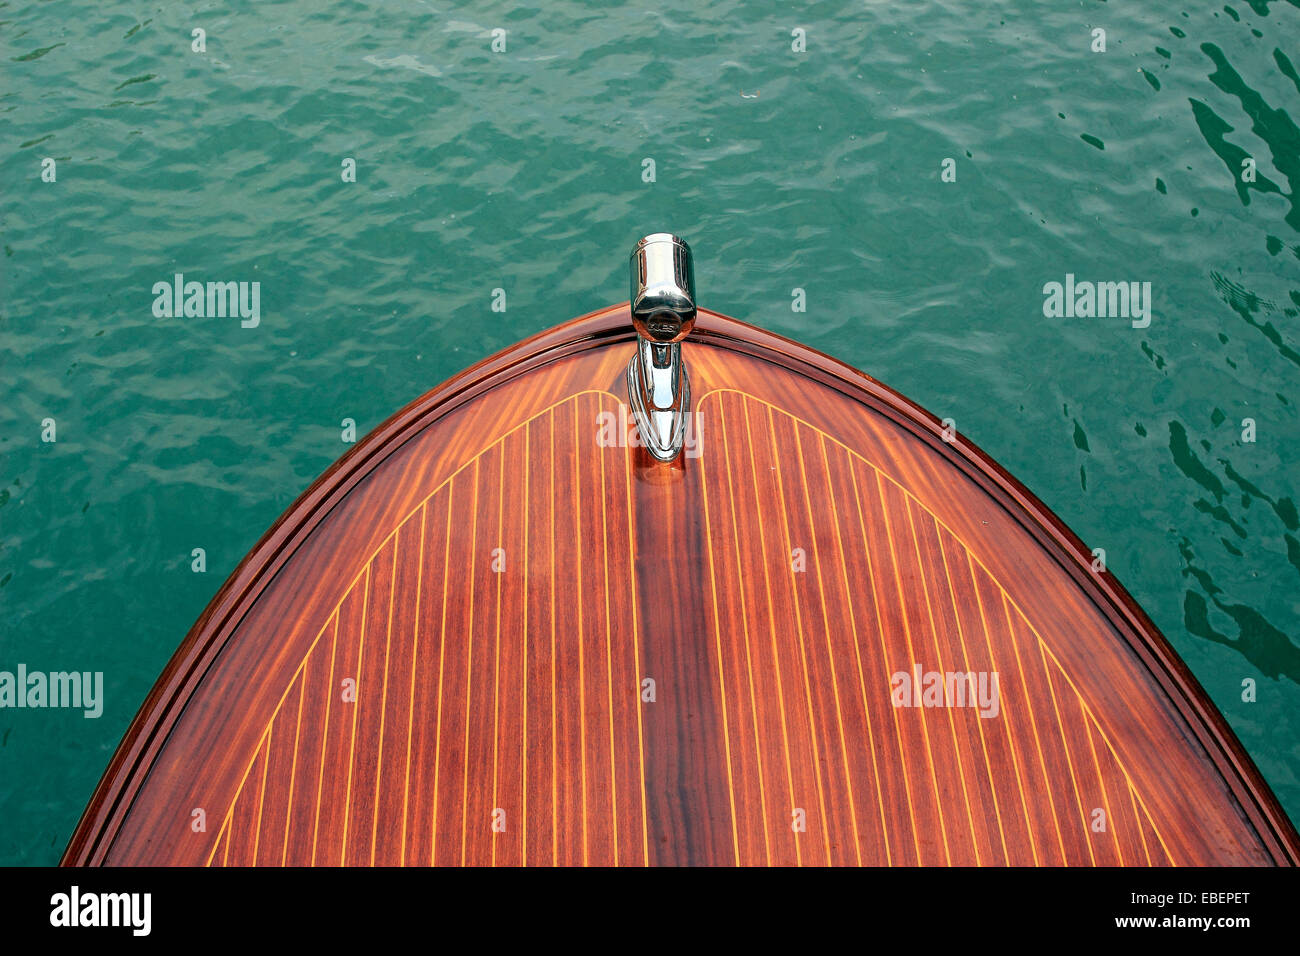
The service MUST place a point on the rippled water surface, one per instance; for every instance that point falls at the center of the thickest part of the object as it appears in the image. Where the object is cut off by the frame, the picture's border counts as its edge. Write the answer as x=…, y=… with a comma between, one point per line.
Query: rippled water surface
x=523, y=170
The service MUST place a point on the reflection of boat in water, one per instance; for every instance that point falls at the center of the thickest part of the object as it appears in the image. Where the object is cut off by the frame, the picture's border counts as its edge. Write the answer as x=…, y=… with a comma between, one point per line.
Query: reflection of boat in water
x=815, y=629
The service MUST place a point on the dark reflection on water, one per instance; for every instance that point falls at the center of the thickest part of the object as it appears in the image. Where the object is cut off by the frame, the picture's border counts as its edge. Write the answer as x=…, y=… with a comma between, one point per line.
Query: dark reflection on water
x=1252, y=542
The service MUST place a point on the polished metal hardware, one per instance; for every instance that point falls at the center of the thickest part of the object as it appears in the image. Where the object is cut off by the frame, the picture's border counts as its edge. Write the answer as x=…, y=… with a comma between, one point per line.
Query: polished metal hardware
x=663, y=311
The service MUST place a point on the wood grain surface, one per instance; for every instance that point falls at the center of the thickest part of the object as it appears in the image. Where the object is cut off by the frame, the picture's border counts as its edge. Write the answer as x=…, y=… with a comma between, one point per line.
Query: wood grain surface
x=492, y=636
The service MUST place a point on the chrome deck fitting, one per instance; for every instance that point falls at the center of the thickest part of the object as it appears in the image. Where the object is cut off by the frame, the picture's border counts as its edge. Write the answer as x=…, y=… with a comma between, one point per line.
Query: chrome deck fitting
x=663, y=311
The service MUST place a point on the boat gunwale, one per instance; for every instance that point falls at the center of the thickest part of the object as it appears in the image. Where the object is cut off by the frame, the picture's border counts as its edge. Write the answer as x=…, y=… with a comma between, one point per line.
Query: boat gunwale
x=145, y=737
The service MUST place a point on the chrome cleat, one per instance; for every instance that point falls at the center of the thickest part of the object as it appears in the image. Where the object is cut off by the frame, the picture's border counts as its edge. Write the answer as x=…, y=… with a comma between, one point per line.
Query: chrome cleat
x=663, y=311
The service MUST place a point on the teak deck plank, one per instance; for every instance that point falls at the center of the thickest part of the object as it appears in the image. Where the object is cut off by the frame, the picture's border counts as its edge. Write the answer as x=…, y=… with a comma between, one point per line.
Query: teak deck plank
x=496, y=590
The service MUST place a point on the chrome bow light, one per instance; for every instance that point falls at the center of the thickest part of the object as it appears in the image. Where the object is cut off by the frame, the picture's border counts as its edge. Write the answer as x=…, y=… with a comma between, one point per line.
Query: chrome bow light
x=663, y=311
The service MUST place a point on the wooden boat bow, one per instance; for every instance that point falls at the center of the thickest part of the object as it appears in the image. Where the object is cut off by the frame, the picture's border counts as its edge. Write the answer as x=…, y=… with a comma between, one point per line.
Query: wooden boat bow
x=490, y=636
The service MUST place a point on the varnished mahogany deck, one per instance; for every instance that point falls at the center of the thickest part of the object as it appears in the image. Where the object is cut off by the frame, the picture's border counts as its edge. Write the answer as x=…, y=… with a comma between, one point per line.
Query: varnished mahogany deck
x=437, y=655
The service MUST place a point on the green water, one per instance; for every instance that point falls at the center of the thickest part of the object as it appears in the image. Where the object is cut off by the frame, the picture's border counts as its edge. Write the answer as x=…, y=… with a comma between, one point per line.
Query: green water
x=523, y=170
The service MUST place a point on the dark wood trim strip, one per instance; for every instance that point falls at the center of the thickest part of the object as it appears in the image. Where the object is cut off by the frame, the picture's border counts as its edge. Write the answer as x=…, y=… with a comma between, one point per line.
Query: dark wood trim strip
x=686, y=767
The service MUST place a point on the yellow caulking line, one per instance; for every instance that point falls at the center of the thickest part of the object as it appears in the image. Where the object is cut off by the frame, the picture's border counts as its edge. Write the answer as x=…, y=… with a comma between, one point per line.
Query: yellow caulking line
x=523, y=738
x=907, y=634
x=609, y=663
x=555, y=786
x=803, y=650
x=301, y=665
x=884, y=660
x=324, y=736
x=857, y=653
x=952, y=721
x=446, y=482
x=744, y=617
x=830, y=653
x=469, y=666
x=971, y=557
x=1105, y=739
x=582, y=678
x=496, y=678
x=442, y=646
x=261, y=794
x=1065, y=746
x=231, y=810
x=722, y=684
x=239, y=791
x=352, y=748
x=1106, y=742
x=776, y=662
x=1101, y=784
x=1010, y=724
x=443, y=484
x=217, y=843
x=415, y=660
x=636, y=650
x=1011, y=602
x=383, y=699
x=1033, y=723
x=293, y=767
x=1137, y=819
x=979, y=724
